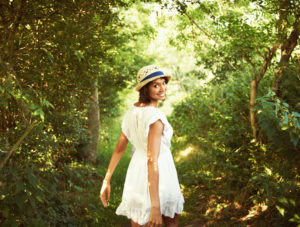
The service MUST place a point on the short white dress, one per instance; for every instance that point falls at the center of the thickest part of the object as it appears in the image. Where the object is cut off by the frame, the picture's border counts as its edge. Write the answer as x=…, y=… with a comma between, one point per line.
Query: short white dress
x=136, y=203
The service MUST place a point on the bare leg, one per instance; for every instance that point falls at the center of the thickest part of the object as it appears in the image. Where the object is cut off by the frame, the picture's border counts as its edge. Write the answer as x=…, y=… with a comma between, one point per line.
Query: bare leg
x=171, y=222
x=133, y=224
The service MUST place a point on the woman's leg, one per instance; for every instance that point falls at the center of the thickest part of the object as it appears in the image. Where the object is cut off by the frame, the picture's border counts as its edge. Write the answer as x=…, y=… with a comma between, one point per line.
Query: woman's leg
x=133, y=224
x=171, y=222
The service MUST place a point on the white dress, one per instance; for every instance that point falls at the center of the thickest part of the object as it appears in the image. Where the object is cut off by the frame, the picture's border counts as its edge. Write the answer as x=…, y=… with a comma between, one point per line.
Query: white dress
x=136, y=203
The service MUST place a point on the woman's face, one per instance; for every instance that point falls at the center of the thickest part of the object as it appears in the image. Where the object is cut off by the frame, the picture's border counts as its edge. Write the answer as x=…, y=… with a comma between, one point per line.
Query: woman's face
x=157, y=89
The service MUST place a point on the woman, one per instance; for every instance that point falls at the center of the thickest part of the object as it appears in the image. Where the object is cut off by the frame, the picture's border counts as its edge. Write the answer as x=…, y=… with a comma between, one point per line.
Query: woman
x=151, y=192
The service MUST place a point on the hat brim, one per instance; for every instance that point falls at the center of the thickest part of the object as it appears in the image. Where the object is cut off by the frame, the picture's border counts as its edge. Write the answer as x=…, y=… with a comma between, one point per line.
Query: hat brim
x=142, y=84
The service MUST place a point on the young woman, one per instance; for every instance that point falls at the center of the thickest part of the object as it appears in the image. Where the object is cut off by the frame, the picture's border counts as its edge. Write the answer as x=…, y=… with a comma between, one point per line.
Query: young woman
x=151, y=193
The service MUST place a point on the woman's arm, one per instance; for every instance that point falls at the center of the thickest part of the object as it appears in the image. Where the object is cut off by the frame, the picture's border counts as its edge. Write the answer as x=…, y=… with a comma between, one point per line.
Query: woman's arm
x=153, y=149
x=115, y=158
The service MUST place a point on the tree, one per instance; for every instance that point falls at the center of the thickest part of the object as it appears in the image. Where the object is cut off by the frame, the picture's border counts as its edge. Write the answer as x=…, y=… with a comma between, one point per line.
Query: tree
x=62, y=65
x=52, y=55
x=242, y=37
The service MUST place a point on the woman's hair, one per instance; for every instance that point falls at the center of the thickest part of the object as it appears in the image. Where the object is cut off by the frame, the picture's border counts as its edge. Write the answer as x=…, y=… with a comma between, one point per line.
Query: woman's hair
x=144, y=92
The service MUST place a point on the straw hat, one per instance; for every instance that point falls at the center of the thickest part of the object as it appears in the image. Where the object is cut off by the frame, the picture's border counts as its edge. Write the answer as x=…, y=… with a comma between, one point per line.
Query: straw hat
x=147, y=74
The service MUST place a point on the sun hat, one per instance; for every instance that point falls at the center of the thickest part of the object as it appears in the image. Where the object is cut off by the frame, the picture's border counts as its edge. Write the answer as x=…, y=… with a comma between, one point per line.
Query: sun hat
x=147, y=74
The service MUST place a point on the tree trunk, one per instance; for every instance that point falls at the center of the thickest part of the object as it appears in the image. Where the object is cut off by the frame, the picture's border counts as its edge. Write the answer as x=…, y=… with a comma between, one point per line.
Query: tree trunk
x=286, y=51
x=254, y=86
x=90, y=150
x=252, y=104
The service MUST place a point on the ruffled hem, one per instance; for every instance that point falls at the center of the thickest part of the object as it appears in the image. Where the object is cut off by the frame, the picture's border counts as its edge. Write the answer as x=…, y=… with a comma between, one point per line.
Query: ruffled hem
x=170, y=208
x=137, y=215
x=141, y=216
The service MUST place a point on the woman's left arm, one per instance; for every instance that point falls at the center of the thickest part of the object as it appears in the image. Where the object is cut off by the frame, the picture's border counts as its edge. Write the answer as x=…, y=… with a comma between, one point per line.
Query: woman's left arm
x=116, y=156
x=153, y=150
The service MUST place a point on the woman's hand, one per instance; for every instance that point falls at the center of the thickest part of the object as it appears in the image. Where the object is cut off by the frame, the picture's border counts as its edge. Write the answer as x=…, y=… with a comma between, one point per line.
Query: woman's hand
x=115, y=158
x=155, y=217
x=105, y=192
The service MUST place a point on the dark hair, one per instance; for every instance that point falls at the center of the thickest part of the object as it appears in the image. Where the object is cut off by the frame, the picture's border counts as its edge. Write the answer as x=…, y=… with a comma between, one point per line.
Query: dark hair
x=144, y=92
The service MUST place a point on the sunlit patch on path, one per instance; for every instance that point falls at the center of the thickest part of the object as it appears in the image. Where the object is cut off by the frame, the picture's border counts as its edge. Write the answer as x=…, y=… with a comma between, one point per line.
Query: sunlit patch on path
x=254, y=212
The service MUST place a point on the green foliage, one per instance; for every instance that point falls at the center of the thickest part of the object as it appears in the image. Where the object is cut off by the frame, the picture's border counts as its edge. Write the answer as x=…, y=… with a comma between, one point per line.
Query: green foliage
x=211, y=113
x=226, y=169
x=214, y=120
x=51, y=54
x=278, y=122
x=43, y=197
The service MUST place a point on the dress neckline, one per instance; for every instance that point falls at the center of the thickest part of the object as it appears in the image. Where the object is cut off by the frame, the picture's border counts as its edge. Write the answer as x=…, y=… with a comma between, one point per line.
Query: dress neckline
x=144, y=106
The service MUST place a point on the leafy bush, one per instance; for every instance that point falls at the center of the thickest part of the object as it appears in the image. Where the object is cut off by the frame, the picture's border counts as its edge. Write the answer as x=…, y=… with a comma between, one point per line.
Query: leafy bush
x=214, y=119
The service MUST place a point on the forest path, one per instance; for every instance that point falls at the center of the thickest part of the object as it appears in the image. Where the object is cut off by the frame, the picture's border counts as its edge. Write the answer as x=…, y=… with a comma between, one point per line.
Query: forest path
x=208, y=199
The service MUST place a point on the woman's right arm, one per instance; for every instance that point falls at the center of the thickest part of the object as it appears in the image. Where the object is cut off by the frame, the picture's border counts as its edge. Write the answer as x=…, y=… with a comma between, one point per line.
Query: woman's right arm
x=115, y=158
x=153, y=150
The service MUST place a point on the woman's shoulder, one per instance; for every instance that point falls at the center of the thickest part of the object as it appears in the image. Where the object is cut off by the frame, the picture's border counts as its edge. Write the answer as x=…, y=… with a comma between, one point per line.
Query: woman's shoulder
x=154, y=114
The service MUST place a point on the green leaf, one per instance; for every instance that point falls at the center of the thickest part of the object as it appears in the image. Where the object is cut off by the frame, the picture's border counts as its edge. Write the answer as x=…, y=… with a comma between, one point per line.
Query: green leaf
x=32, y=106
x=39, y=199
x=2, y=90
x=296, y=219
x=46, y=103
x=31, y=177
x=293, y=202
x=284, y=201
x=285, y=104
x=77, y=188
x=268, y=171
x=280, y=209
x=268, y=104
x=39, y=112
x=78, y=55
x=296, y=114
x=294, y=139
x=286, y=118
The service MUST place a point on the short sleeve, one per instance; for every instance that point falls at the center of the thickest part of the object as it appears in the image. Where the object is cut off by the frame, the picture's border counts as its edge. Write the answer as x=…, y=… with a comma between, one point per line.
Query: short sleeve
x=154, y=116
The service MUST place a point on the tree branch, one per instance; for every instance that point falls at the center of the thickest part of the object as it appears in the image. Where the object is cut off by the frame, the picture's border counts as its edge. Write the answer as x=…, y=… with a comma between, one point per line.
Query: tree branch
x=286, y=51
x=268, y=58
x=247, y=58
x=17, y=144
x=199, y=27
